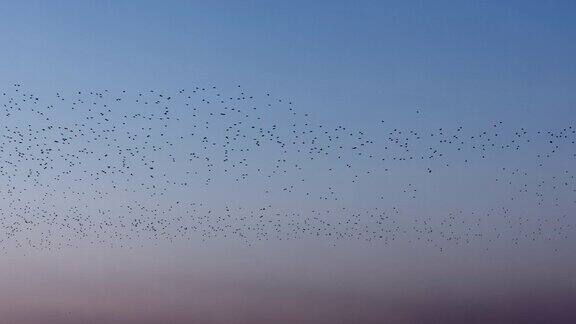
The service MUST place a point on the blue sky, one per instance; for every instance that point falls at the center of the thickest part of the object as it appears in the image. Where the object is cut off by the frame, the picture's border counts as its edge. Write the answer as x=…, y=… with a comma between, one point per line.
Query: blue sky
x=457, y=58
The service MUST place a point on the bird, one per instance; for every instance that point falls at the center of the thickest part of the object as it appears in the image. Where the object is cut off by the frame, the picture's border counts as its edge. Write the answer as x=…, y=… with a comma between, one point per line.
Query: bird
x=121, y=167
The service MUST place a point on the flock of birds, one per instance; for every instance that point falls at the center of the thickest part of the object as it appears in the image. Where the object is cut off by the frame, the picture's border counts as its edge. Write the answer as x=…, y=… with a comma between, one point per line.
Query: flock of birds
x=121, y=168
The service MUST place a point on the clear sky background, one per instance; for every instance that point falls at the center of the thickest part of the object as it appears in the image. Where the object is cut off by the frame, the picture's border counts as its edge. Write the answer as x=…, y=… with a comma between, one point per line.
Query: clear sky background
x=342, y=62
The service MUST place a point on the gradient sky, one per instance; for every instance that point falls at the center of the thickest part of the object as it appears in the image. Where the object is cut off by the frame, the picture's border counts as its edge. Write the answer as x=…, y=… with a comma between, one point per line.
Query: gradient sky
x=343, y=62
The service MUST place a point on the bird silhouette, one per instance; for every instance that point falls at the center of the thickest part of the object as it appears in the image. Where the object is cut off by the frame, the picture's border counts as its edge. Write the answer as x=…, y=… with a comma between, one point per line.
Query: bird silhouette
x=117, y=168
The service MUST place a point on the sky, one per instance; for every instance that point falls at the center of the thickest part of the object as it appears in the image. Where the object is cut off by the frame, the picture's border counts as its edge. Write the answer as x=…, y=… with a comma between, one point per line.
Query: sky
x=372, y=66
